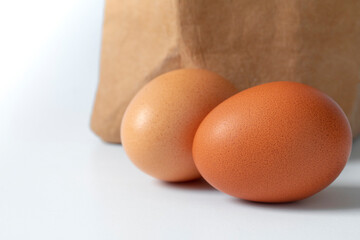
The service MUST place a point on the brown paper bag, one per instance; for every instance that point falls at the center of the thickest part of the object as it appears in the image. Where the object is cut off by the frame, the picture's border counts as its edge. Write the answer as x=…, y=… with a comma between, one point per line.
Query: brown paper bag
x=248, y=42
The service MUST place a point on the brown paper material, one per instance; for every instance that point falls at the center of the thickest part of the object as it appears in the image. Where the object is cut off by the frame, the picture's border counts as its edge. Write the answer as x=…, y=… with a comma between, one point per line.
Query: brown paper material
x=247, y=42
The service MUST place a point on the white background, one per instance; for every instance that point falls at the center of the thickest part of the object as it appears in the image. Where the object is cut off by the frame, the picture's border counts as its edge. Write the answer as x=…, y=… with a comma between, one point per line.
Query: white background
x=59, y=181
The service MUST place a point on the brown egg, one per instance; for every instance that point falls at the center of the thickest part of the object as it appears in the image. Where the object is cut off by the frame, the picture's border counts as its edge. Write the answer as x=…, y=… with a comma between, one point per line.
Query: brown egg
x=276, y=142
x=159, y=124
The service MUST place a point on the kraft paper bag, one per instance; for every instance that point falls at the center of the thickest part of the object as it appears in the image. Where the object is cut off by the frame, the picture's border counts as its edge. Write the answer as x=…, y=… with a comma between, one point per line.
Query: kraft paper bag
x=248, y=42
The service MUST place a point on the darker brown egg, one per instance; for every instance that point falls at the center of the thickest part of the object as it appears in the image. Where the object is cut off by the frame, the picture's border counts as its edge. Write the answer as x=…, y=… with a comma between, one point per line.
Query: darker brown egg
x=276, y=142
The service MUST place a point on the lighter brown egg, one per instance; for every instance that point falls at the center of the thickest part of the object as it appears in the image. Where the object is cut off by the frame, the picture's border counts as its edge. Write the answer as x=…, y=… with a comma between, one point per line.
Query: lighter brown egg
x=276, y=142
x=160, y=122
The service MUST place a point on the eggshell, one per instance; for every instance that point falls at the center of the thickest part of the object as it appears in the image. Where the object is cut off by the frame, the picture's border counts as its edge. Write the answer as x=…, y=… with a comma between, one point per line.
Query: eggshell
x=276, y=142
x=159, y=124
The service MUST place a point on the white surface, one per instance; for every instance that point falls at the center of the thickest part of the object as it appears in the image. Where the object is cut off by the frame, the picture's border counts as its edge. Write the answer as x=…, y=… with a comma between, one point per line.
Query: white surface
x=59, y=181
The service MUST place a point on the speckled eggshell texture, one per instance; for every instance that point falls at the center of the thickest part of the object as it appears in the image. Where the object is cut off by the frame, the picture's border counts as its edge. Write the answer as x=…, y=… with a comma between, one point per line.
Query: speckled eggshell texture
x=276, y=142
x=159, y=124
